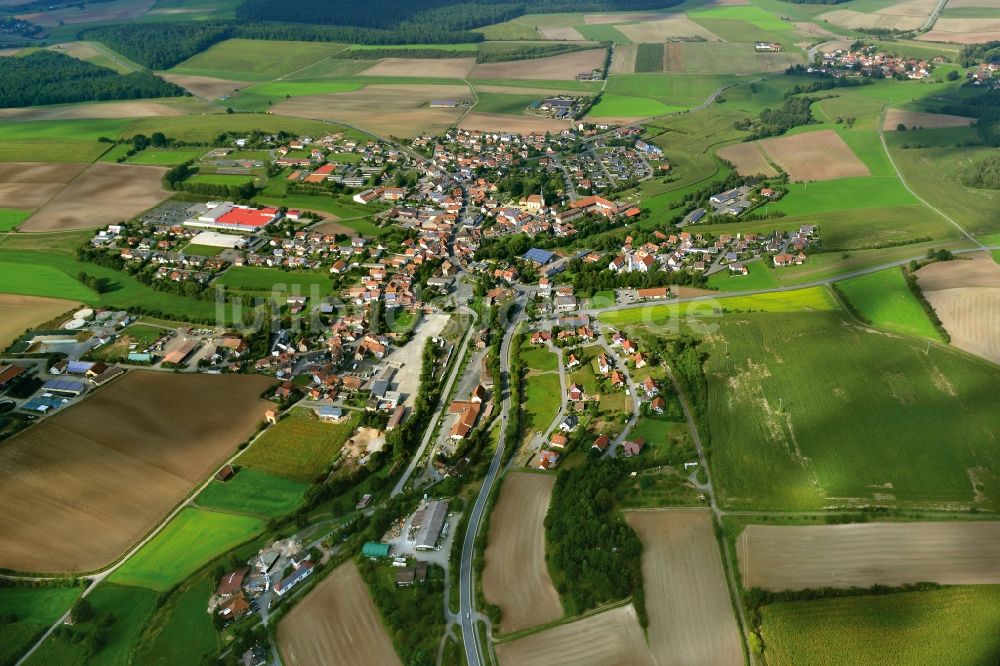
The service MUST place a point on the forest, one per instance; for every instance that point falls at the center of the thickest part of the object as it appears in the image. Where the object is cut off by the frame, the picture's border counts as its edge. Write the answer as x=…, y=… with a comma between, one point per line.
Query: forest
x=973, y=54
x=775, y=122
x=46, y=77
x=984, y=175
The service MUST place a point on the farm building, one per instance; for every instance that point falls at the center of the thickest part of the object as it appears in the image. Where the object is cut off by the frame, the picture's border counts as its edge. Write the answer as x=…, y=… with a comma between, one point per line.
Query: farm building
x=444, y=103
x=184, y=350
x=539, y=257
x=8, y=373
x=375, y=549
x=292, y=579
x=45, y=404
x=430, y=518
x=64, y=387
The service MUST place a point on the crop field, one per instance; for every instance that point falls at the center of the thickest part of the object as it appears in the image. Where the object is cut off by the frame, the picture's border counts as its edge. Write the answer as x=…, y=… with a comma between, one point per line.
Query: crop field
x=884, y=300
x=336, y=623
x=124, y=109
x=966, y=297
x=674, y=26
x=934, y=174
x=611, y=637
x=448, y=68
x=11, y=217
x=206, y=87
x=788, y=379
x=34, y=609
x=648, y=58
x=253, y=492
x=553, y=68
x=404, y=110
x=19, y=313
x=131, y=607
x=646, y=95
x=886, y=630
x=505, y=103
x=789, y=557
x=730, y=58
x=103, y=194
x=810, y=156
x=507, y=123
x=915, y=119
x=28, y=185
x=690, y=616
x=964, y=30
x=299, y=447
x=81, y=487
x=516, y=575
x=255, y=60
x=116, y=11
x=206, y=128
x=748, y=159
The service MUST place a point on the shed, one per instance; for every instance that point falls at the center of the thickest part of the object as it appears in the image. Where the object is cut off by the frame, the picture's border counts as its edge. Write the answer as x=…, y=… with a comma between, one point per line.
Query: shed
x=375, y=549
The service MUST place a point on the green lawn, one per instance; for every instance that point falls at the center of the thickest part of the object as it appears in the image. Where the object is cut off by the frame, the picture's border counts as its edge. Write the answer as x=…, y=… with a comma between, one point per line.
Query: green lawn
x=538, y=358
x=11, y=217
x=253, y=492
x=181, y=631
x=191, y=539
x=815, y=412
x=252, y=278
x=884, y=299
x=255, y=60
x=35, y=609
x=542, y=398
x=300, y=447
x=131, y=607
x=887, y=630
x=760, y=277
x=667, y=442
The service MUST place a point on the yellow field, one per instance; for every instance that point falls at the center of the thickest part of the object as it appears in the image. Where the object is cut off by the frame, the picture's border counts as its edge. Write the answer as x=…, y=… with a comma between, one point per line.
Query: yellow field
x=18, y=313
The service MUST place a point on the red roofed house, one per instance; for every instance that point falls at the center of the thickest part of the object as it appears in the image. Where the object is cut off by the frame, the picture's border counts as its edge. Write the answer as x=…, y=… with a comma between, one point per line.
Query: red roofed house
x=559, y=440
x=633, y=447
x=601, y=443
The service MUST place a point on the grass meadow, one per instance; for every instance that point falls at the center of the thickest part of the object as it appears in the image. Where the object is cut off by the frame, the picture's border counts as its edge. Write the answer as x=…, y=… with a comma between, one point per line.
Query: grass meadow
x=11, y=217
x=180, y=632
x=300, y=447
x=170, y=157
x=35, y=609
x=207, y=128
x=884, y=300
x=539, y=358
x=253, y=492
x=190, y=540
x=542, y=399
x=252, y=278
x=956, y=626
x=255, y=60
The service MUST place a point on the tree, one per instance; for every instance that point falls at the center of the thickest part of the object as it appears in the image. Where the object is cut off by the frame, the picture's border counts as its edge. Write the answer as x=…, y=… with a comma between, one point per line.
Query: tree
x=900, y=127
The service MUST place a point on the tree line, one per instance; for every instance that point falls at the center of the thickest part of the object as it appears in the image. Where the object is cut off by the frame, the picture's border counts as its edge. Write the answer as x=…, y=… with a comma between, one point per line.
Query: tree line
x=47, y=77
x=973, y=54
x=775, y=122
x=983, y=175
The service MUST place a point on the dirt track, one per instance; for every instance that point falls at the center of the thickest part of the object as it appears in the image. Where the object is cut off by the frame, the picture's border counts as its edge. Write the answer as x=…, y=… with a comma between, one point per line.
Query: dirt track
x=336, y=623
x=690, y=616
x=791, y=557
x=611, y=638
x=18, y=313
x=515, y=576
x=83, y=486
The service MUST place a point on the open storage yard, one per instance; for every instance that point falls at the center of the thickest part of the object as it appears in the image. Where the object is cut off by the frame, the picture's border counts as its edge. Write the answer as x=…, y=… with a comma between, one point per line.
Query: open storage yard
x=811, y=156
x=18, y=313
x=690, y=615
x=516, y=576
x=336, y=623
x=779, y=557
x=611, y=638
x=966, y=297
x=103, y=194
x=87, y=483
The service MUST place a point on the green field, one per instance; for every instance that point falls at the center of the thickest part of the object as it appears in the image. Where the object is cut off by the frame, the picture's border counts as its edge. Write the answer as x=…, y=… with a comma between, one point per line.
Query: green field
x=887, y=630
x=884, y=299
x=648, y=58
x=507, y=104
x=181, y=632
x=161, y=157
x=131, y=608
x=281, y=89
x=730, y=58
x=190, y=540
x=42, y=280
x=460, y=49
x=300, y=447
x=206, y=128
x=816, y=412
x=35, y=609
x=539, y=358
x=57, y=140
x=255, y=60
x=639, y=95
x=252, y=278
x=844, y=194
x=760, y=277
x=627, y=106
x=542, y=399
x=220, y=179
x=253, y=492
x=11, y=217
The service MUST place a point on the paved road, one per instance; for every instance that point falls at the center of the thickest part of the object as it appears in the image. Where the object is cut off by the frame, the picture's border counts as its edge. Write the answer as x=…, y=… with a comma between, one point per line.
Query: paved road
x=467, y=601
x=932, y=19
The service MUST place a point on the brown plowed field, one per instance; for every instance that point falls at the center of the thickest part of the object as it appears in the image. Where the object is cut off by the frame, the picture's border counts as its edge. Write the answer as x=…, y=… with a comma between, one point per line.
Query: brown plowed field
x=84, y=485
x=748, y=159
x=117, y=11
x=18, y=313
x=336, y=623
x=560, y=67
x=623, y=59
x=611, y=638
x=515, y=576
x=446, y=68
x=561, y=33
x=103, y=194
x=963, y=31
x=966, y=297
x=205, y=87
x=690, y=616
x=504, y=123
x=776, y=557
x=671, y=27
x=673, y=57
x=819, y=155
x=848, y=18
x=28, y=185
x=128, y=109
x=911, y=119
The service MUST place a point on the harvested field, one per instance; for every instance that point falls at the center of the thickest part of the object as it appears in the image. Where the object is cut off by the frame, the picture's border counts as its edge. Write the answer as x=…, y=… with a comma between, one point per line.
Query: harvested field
x=103, y=194
x=553, y=68
x=403, y=109
x=623, y=59
x=504, y=123
x=912, y=119
x=673, y=57
x=776, y=557
x=621, y=17
x=127, y=109
x=535, y=92
x=561, y=33
x=18, y=313
x=966, y=297
x=848, y=18
x=446, y=68
x=86, y=484
x=809, y=29
x=748, y=158
x=677, y=26
x=336, y=623
x=813, y=156
x=515, y=576
x=205, y=87
x=115, y=11
x=611, y=638
x=28, y=185
x=990, y=4
x=690, y=617
x=963, y=31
